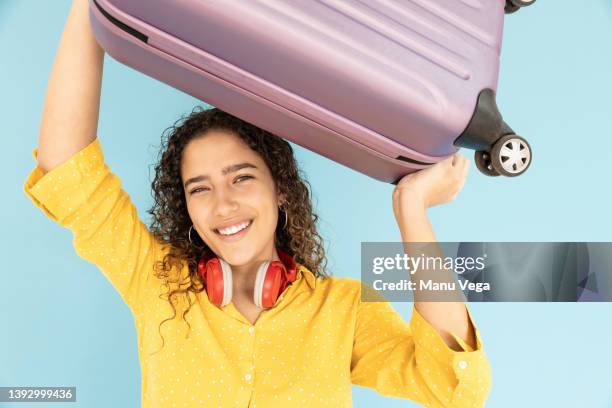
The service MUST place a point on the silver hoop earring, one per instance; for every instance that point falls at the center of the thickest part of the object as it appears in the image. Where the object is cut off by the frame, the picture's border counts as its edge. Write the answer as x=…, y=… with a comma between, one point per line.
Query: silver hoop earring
x=284, y=211
x=189, y=237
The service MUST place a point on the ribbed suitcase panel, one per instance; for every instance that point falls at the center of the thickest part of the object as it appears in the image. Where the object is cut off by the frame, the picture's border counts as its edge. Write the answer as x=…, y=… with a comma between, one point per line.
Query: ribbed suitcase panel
x=409, y=70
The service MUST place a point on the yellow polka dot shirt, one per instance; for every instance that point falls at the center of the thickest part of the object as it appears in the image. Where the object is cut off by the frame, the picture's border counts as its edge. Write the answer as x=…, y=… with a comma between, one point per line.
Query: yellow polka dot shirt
x=306, y=351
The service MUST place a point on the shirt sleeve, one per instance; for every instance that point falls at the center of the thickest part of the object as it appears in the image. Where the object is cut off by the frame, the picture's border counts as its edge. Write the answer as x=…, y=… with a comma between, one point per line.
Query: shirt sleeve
x=83, y=195
x=412, y=360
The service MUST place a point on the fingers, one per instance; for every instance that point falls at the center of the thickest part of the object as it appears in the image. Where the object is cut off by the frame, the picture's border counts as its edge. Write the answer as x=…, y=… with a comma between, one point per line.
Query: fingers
x=461, y=166
x=456, y=159
x=460, y=163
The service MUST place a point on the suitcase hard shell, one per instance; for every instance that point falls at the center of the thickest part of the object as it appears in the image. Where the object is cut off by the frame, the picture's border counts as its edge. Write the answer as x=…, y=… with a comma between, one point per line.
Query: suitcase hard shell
x=385, y=87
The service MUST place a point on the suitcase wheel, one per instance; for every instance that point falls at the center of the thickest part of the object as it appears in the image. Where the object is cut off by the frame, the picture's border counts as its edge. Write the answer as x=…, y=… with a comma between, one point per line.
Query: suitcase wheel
x=510, y=156
x=483, y=163
x=514, y=5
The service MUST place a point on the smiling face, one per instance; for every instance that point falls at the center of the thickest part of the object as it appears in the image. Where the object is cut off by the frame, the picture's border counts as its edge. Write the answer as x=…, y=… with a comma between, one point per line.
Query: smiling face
x=227, y=184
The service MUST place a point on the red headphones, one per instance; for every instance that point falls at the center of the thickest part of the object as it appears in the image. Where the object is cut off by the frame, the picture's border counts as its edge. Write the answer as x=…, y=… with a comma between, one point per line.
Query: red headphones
x=271, y=280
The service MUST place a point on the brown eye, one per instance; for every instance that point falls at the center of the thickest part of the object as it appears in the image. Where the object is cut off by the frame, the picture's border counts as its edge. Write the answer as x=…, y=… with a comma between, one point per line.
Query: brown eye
x=195, y=190
x=246, y=177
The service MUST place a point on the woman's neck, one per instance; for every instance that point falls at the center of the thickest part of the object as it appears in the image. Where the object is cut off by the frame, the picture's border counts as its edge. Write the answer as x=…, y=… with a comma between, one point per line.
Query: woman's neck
x=243, y=276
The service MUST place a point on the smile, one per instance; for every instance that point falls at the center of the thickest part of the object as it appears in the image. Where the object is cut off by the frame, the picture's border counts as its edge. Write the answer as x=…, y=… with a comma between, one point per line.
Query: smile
x=234, y=232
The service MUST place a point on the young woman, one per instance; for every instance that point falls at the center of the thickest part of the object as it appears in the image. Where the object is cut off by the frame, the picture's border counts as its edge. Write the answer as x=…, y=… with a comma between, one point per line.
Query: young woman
x=234, y=266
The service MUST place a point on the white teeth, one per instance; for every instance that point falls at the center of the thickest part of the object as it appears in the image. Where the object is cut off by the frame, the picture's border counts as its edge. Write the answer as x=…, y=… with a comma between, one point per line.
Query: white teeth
x=234, y=229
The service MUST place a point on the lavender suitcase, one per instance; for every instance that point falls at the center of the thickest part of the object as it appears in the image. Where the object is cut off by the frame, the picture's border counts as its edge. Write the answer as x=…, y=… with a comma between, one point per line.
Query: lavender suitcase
x=385, y=87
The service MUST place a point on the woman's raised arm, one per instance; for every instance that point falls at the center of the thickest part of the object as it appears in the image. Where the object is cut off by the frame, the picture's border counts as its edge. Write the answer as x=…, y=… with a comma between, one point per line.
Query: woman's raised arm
x=70, y=114
x=73, y=185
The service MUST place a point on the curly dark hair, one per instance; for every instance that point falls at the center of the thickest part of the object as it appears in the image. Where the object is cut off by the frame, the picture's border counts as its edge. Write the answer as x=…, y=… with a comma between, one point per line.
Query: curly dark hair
x=171, y=222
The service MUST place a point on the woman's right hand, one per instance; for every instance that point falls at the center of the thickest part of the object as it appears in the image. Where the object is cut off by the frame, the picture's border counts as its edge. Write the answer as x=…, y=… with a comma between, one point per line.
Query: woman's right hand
x=435, y=185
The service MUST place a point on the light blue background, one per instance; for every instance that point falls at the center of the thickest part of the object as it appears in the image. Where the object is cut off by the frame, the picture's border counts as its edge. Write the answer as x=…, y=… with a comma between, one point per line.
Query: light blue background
x=64, y=325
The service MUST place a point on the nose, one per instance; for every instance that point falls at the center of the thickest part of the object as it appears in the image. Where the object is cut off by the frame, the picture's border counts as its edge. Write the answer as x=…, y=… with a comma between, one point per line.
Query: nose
x=225, y=203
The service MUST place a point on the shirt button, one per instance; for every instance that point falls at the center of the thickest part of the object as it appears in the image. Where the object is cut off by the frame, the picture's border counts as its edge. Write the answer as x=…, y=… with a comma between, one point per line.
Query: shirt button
x=462, y=364
x=251, y=330
x=248, y=377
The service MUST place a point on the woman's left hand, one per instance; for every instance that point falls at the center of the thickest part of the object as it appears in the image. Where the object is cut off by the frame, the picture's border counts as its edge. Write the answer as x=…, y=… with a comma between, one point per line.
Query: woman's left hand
x=438, y=184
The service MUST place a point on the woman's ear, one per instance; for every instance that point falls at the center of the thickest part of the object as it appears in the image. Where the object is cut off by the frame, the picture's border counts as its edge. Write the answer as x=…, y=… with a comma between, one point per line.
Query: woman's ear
x=282, y=199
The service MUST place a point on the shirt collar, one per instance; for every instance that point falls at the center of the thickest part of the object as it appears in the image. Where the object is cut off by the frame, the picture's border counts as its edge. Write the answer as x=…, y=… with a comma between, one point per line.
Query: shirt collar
x=304, y=272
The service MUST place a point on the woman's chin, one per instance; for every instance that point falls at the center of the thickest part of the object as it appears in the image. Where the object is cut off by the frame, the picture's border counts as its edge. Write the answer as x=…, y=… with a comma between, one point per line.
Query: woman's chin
x=238, y=256
x=239, y=253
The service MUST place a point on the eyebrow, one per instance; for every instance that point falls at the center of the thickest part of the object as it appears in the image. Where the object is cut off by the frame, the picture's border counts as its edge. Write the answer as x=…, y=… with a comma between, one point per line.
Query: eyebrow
x=229, y=169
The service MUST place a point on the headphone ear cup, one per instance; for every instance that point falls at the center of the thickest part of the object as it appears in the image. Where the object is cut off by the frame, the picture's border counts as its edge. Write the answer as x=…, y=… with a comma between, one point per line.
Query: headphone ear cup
x=259, y=284
x=228, y=284
x=268, y=283
x=217, y=282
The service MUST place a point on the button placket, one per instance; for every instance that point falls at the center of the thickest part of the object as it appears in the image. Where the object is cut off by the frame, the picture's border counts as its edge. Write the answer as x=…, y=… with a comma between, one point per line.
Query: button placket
x=249, y=372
